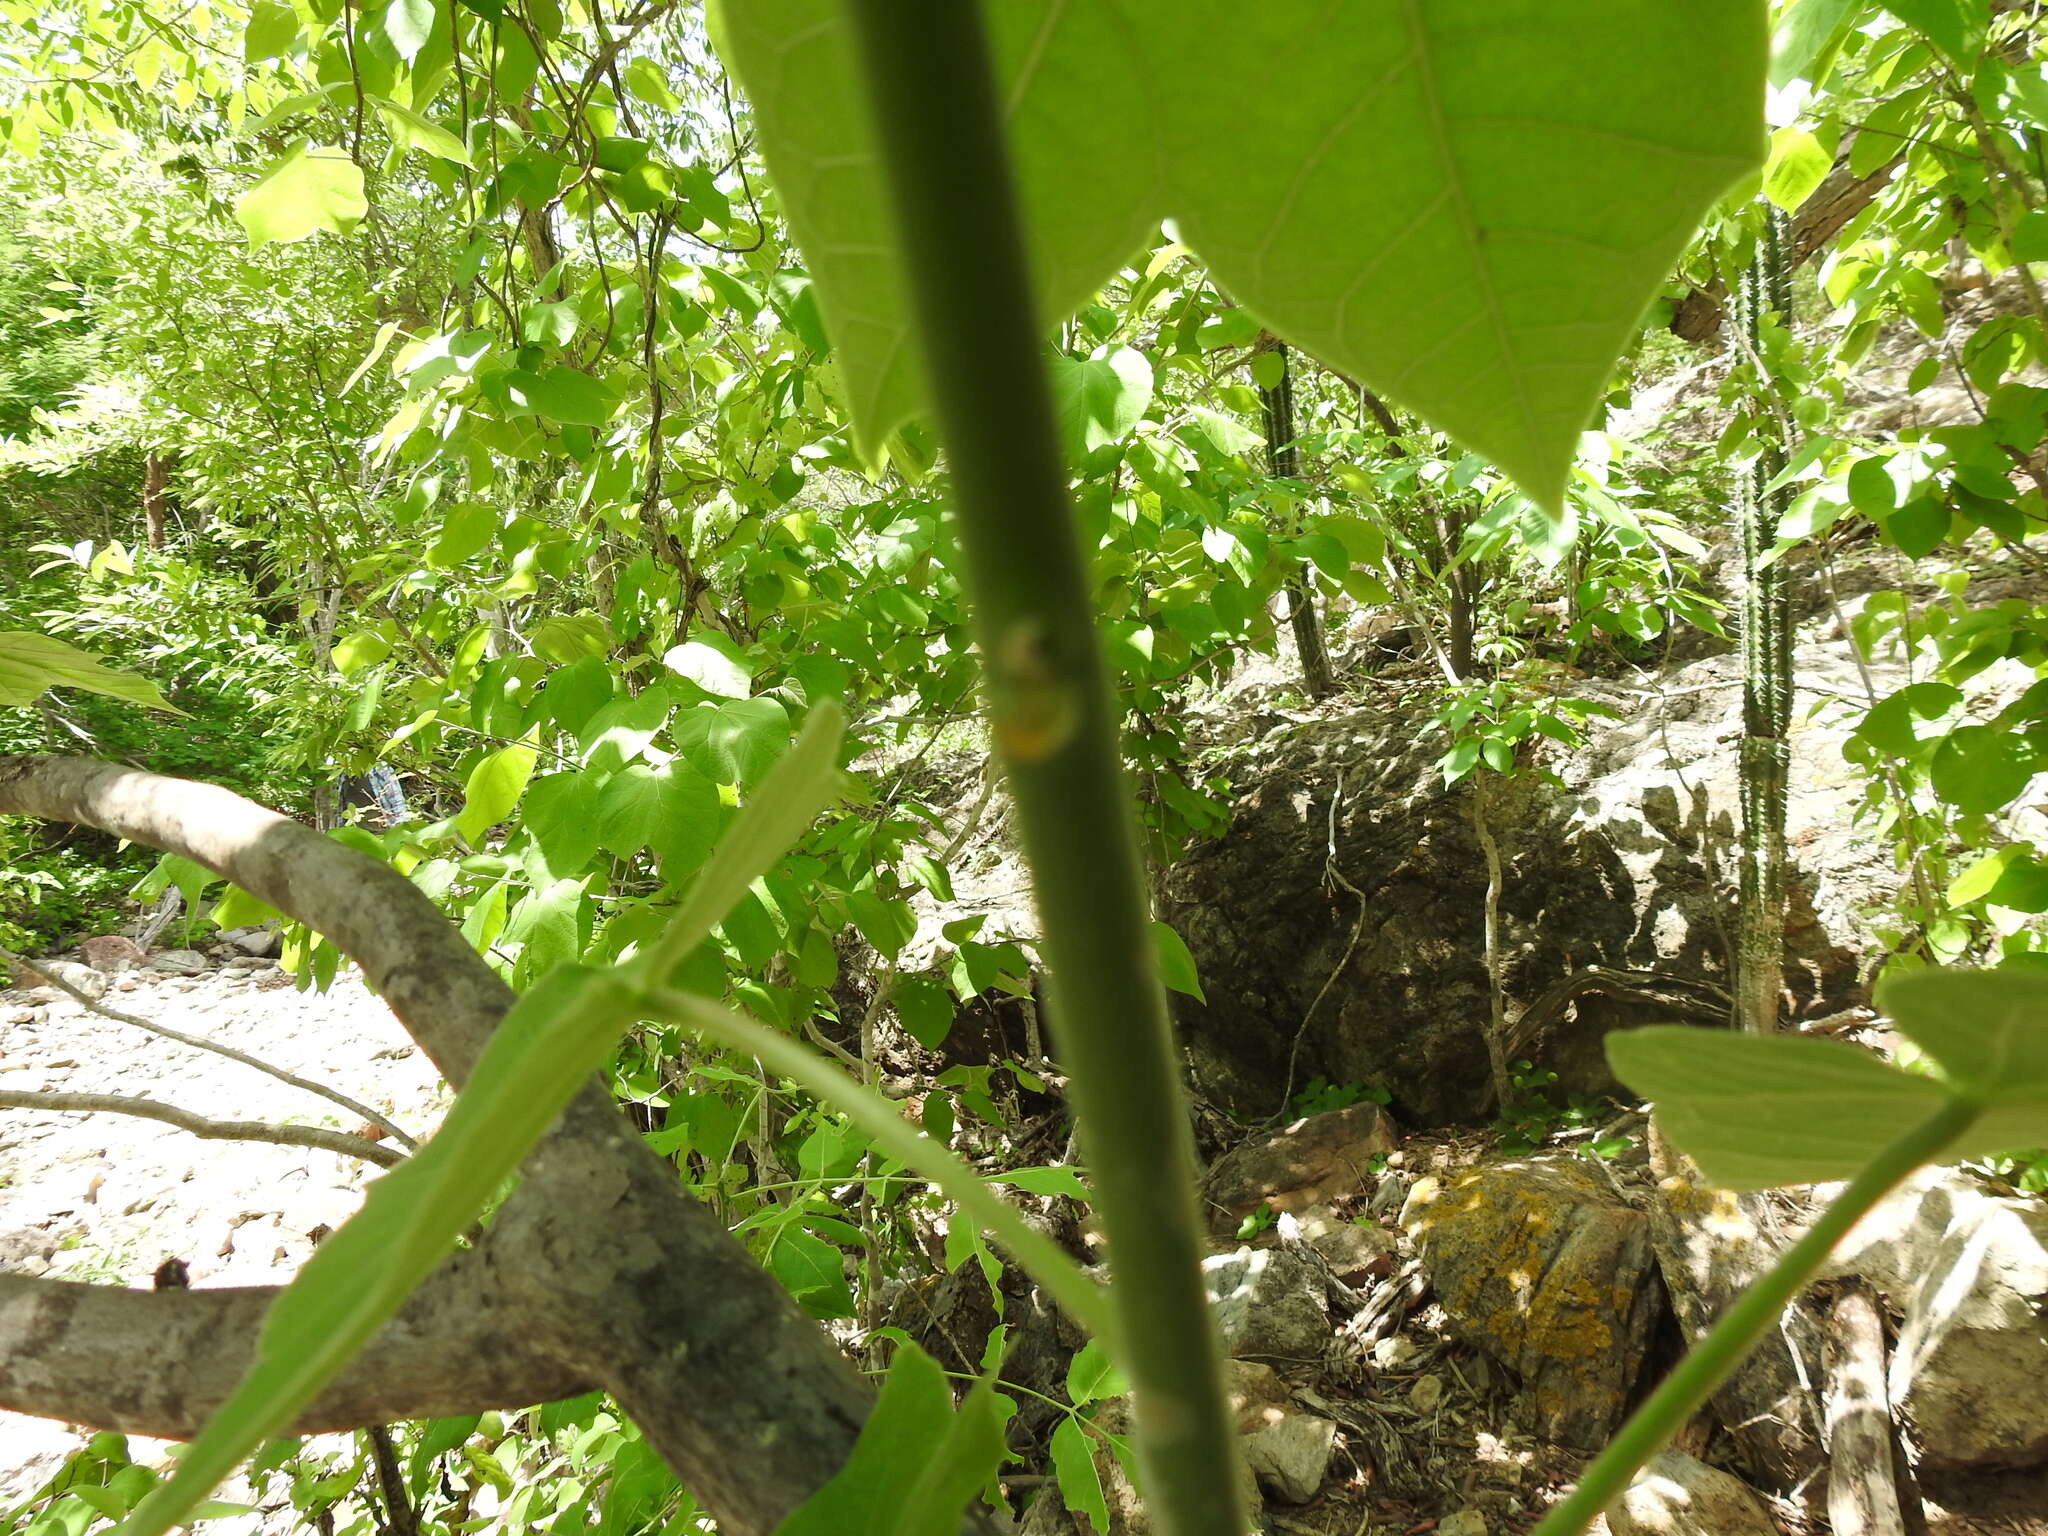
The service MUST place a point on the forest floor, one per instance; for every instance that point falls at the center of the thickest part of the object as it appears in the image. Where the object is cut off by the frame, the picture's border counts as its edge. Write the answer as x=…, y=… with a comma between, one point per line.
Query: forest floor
x=109, y=1198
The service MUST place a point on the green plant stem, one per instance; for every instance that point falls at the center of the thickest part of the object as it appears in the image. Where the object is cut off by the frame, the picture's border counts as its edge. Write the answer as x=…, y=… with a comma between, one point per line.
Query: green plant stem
x=934, y=101
x=1043, y=1259
x=1708, y=1363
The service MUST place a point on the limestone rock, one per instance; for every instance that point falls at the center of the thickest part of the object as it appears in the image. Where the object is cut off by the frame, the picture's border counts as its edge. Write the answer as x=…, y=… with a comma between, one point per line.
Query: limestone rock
x=1269, y=1305
x=1677, y=1495
x=1709, y=1251
x=1290, y=1456
x=1355, y=1251
x=1311, y=1162
x=110, y=952
x=179, y=962
x=1895, y=1246
x=81, y=977
x=1540, y=1265
x=1970, y=1372
x=259, y=942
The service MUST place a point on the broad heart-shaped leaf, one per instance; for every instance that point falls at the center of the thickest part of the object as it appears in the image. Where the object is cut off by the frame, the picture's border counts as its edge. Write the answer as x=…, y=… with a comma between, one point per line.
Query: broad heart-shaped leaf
x=1463, y=203
x=544, y=1050
x=1098, y=399
x=31, y=662
x=305, y=190
x=1755, y=1111
x=495, y=785
x=1986, y=1030
x=917, y=1462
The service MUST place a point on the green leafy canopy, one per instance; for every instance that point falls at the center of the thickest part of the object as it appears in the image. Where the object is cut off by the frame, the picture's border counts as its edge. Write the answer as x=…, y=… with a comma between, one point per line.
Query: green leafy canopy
x=1465, y=204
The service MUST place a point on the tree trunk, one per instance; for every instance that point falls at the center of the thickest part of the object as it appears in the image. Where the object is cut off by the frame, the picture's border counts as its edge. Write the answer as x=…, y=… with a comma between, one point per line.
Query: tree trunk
x=1497, y=1023
x=1285, y=464
x=1766, y=672
x=156, y=477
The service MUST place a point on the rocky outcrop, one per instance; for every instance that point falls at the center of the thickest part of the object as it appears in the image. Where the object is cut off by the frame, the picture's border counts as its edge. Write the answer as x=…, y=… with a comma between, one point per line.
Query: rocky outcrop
x=1540, y=1265
x=1343, y=911
x=1970, y=1373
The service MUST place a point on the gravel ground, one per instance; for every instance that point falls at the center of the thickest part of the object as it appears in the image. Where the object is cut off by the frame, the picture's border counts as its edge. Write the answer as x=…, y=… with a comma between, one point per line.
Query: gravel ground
x=107, y=1198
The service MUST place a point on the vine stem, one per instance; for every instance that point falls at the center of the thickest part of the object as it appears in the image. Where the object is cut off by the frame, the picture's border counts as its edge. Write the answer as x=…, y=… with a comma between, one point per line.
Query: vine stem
x=1708, y=1363
x=932, y=93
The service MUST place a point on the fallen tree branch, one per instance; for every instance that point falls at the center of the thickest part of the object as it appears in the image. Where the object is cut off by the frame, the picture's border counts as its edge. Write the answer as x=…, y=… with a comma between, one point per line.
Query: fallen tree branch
x=603, y=1264
x=317, y=1137
x=1863, y=1493
x=332, y=1095
x=159, y=1362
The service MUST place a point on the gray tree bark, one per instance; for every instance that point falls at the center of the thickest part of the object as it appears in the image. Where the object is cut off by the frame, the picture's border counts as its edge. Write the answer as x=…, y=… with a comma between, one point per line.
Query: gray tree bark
x=1285, y=462
x=598, y=1271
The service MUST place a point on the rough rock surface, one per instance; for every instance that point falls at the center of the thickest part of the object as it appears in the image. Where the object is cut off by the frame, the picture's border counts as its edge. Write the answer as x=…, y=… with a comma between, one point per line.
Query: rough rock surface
x=1896, y=1245
x=1314, y=1160
x=81, y=978
x=1287, y=1450
x=1627, y=867
x=1710, y=1250
x=1539, y=1264
x=1269, y=1305
x=1970, y=1372
x=179, y=962
x=112, y=953
x=1355, y=1251
x=1678, y=1495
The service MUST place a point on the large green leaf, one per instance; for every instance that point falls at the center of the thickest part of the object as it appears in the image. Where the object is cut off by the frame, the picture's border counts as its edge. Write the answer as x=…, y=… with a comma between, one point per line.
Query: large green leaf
x=495, y=785
x=307, y=189
x=546, y=1048
x=1464, y=203
x=1098, y=399
x=1756, y=1111
x=917, y=1462
x=30, y=663
x=1987, y=1030
x=1806, y=36
x=1956, y=27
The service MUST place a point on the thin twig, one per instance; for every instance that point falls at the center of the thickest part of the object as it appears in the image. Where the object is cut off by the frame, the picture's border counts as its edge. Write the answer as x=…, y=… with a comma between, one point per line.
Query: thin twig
x=1332, y=877
x=210, y=1130
x=332, y=1095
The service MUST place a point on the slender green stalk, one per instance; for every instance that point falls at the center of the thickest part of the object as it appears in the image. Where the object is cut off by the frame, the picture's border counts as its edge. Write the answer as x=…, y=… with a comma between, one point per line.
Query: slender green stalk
x=1052, y=711
x=1043, y=1259
x=1708, y=1363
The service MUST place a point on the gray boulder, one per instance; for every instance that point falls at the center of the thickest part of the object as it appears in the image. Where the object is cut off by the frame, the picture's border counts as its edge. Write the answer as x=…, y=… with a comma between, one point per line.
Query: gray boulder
x=1269, y=1305
x=1970, y=1372
x=1677, y=1495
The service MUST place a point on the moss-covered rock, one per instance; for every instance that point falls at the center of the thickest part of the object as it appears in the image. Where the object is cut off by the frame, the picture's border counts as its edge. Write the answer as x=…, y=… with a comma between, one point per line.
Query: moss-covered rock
x=1539, y=1264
